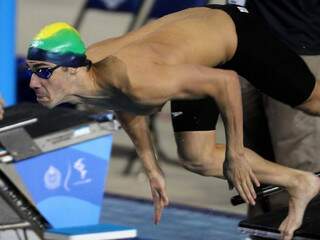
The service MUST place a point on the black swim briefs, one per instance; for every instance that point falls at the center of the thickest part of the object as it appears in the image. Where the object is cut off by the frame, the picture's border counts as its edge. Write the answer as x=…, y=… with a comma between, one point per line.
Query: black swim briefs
x=267, y=63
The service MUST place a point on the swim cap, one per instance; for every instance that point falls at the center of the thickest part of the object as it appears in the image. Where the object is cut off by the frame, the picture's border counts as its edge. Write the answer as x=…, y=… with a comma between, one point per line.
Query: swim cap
x=58, y=43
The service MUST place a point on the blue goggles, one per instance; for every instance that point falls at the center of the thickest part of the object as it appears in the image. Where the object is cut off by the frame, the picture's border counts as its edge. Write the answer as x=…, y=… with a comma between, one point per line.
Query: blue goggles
x=43, y=72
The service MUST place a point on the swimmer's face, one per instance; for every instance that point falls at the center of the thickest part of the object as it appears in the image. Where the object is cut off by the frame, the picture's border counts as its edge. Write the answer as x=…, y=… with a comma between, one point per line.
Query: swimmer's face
x=49, y=82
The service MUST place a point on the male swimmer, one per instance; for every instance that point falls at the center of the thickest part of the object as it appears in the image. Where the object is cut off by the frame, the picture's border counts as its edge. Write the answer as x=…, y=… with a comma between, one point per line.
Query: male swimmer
x=192, y=58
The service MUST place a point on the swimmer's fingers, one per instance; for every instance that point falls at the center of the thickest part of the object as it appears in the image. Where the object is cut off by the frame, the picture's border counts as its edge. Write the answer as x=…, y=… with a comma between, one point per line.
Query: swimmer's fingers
x=241, y=192
x=254, y=179
x=158, y=206
x=159, y=195
x=247, y=186
x=240, y=172
x=249, y=190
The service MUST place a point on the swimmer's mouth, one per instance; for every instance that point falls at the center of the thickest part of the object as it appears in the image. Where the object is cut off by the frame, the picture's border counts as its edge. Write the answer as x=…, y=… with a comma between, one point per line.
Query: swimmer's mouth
x=40, y=94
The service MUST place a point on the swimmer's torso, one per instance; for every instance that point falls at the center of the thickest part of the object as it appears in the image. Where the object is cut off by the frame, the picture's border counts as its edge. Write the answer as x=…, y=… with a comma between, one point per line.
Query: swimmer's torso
x=200, y=36
x=197, y=36
x=119, y=101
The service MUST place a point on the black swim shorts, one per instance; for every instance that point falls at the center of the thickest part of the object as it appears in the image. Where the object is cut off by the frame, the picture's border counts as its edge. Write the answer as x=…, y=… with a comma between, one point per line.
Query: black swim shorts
x=267, y=63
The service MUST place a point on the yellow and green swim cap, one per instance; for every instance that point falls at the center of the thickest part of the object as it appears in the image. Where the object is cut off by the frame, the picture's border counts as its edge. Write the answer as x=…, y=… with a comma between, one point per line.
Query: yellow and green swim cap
x=58, y=43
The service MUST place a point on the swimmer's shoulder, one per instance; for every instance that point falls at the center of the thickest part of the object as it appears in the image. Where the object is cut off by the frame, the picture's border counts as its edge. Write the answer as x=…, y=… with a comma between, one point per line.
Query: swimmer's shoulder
x=102, y=49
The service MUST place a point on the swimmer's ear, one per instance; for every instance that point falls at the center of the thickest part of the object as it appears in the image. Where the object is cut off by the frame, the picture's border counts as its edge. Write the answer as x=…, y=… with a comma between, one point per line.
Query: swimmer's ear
x=89, y=64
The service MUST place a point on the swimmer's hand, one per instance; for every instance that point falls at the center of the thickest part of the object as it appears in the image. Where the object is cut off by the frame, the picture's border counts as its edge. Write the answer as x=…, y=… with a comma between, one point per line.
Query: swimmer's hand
x=239, y=173
x=1, y=108
x=159, y=195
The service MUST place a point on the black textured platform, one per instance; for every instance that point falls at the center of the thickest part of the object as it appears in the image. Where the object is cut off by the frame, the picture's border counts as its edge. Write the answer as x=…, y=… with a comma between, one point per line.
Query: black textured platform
x=49, y=120
x=267, y=224
x=8, y=215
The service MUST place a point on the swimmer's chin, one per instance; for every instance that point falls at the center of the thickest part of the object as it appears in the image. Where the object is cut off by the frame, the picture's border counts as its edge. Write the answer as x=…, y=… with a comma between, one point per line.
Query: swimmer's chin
x=47, y=103
x=51, y=104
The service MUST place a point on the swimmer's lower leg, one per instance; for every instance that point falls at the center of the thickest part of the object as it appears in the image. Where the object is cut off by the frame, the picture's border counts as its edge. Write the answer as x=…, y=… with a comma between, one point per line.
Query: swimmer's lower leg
x=266, y=171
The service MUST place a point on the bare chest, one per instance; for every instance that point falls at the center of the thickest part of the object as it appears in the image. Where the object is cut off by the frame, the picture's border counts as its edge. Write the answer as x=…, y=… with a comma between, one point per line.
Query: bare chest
x=119, y=101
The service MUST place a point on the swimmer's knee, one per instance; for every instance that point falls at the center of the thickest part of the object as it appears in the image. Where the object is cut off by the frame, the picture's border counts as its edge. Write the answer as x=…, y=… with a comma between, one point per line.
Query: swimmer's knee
x=200, y=163
x=202, y=168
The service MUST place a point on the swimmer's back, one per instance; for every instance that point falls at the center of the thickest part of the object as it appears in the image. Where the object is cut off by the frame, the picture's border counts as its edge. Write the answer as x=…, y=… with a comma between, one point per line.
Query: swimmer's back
x=195, y=35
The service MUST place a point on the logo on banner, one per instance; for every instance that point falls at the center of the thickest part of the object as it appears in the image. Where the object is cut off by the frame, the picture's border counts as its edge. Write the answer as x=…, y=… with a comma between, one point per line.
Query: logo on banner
x=76, y=175
x=80, y=167
x=81, y=174
x=52, y=178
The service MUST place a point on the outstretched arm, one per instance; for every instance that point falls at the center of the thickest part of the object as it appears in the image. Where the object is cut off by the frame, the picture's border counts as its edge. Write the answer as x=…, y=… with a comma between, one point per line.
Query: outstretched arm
x=138, y=130
x=194, y=81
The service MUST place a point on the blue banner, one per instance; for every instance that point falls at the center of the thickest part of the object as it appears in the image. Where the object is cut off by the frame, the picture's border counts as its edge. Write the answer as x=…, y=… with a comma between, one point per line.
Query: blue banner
x=67, y=185
x=7, y=51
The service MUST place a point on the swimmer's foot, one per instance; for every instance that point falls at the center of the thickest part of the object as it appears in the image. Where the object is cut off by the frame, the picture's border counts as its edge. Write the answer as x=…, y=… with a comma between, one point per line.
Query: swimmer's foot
x=304, y=188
